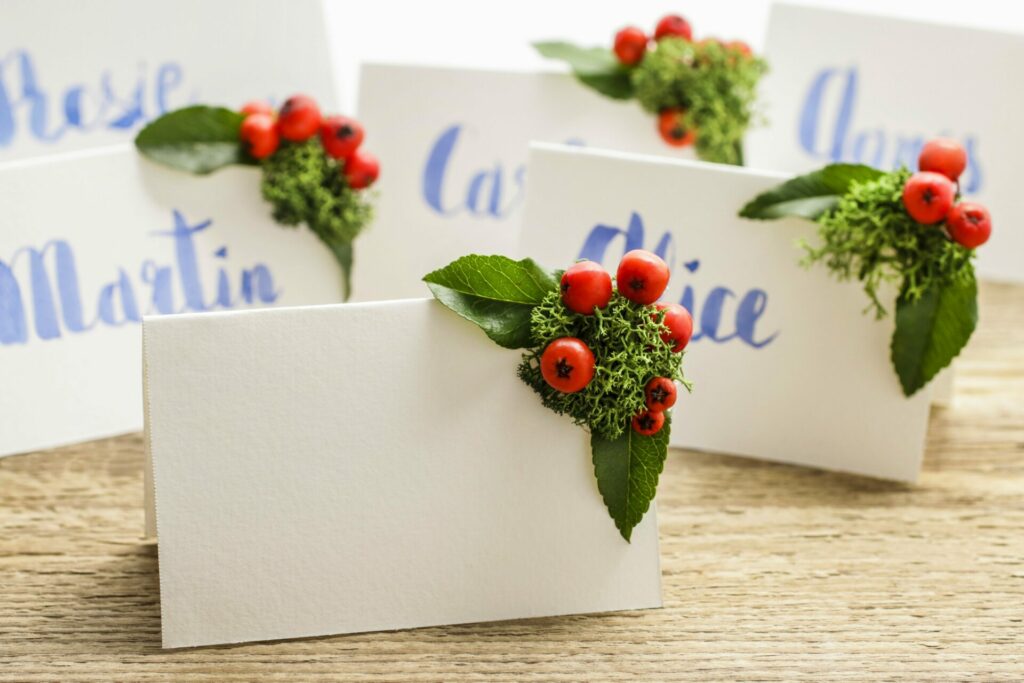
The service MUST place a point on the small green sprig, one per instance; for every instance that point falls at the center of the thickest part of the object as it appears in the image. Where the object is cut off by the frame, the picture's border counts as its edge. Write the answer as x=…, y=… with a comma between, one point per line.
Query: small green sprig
x=717, y=87
x=870, y=237
x=628, y=351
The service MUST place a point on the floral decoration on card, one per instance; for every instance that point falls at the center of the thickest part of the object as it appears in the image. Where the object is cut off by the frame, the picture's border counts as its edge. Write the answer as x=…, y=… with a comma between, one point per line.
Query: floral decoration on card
x=908, y=230
x=315, y=170
x=702, y=91
x=608, y=356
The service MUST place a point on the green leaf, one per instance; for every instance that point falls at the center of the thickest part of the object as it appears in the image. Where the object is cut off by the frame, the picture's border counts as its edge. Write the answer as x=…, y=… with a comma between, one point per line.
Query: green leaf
x=931, y=331
x=627, y=471
x=811, y=195
x=595, y=67
x=196, y=139
x=342, y=251
x=494, y=292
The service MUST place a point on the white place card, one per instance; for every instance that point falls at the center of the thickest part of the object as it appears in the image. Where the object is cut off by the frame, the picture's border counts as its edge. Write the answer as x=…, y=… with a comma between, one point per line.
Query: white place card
x=92, y=242
x=786, y=365
x=452, y=145
x=366, y=467
x=84, y=74
x=855, y=87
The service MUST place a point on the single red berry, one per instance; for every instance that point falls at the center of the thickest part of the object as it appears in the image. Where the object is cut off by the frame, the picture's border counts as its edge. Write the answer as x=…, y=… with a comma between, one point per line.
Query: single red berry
x=679, y=323
x=944, y=156
x=969, y=224
x=630, y=45
x=660, y=394
x=673, y=129
x=739, y=46
x=586, y=286
x=257, y=107
x=361, y=169
x=340, y=136
x=673, y=25
x=567, y=364
x=299, y=118
x=642, y=276
x=928, y=196
x=648, y=422
x=259, y=135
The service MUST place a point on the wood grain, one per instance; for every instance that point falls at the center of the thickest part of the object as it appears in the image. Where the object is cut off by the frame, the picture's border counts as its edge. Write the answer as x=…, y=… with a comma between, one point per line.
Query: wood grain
x=771, y=573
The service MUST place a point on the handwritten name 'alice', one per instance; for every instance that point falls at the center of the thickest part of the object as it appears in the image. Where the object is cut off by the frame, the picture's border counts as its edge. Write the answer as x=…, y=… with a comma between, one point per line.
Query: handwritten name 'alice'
x=48, y=294
x=112, y=103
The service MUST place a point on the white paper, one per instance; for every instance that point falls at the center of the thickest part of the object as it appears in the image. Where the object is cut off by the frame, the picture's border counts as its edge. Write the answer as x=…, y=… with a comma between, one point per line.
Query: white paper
x=452, y=145
x=798, y=374
x=367, y=467
x=81, y=231
x=873, y=89
x=85, y=74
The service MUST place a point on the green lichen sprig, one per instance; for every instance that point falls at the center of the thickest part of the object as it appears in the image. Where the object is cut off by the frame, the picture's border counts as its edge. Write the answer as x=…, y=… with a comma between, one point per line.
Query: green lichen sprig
x=911, y=233
x=632, y=341
x=702, y=91
x=315, y=171
x=628, y=352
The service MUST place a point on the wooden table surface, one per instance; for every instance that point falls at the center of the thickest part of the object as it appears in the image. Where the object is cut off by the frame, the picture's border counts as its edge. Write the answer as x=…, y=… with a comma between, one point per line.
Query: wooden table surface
x=771, y=572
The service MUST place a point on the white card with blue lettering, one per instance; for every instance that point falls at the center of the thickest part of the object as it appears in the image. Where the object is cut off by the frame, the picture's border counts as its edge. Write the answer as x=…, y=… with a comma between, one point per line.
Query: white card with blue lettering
x=91, y=242
x=347, y=470
x=452, y=145
x=75, y=75
x=855, y=87
x=786, y=366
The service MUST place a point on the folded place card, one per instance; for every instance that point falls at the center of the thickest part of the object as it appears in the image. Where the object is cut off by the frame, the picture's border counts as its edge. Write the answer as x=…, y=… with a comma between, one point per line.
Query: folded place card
x=86, y=74
x=95, y=240
x=455, y=169
x=364, y=467
x=836, y=92
x=785, y=364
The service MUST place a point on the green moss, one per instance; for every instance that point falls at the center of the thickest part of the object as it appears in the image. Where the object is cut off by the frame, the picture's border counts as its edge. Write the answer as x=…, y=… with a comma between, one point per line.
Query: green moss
x=628, y=352
x=304, y=185
x=715, y=84
x=870, y=237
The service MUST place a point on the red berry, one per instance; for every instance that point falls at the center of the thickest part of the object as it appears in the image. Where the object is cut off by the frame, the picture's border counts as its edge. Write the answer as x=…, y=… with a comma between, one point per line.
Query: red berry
x=340, y=136
x=739, y=46
x=299, y=118
x=361, y=169
x=586, y=286
x=660, y=394
x=257, y=107
x=673, y=25
x=630, y=45
x=928, y=197
x=567, y=364
x=648, y=422
x=259, y=135
x=679, y=323
x=969, y=224
x=642, y=276
x=944, y=156
x=673, y=129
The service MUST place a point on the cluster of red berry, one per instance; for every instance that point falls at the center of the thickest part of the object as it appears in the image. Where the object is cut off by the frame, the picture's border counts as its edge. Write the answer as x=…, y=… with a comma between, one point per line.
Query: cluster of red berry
x=567, y=363
x=299, y=120
x=930, y=194
x=631, y=45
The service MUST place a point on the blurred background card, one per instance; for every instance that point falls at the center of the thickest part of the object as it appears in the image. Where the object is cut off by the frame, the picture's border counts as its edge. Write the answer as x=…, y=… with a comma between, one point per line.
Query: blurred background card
x=785, y=364
x=855, y=87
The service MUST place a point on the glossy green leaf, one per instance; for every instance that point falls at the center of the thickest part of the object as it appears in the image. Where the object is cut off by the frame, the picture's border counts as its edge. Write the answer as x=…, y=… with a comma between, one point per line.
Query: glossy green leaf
x=595, y=67
x=931, y=331
x=810, y=195
x=197, y=139
x=341, y=249
x=494, y=292
x=627, y=471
